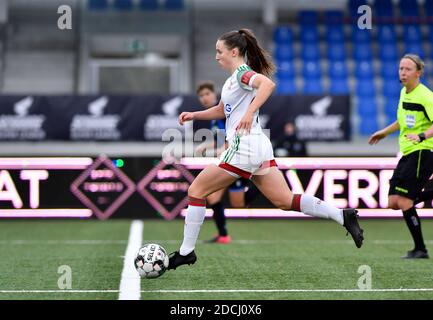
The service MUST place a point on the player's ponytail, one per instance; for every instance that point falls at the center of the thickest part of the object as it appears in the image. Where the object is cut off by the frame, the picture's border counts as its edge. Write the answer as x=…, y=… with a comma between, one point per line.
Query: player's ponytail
x=256, y=57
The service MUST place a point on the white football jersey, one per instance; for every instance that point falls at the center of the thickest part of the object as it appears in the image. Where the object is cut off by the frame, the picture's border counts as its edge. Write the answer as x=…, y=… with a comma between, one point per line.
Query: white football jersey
x=237, y=95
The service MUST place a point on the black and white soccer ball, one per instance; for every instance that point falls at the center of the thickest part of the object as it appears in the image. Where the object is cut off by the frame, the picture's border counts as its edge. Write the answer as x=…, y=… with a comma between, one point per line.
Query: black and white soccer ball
x=151, y=261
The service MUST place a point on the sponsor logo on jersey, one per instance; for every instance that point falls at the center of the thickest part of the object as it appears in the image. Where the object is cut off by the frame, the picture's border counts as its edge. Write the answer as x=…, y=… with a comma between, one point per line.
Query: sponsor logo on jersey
x=228, y=108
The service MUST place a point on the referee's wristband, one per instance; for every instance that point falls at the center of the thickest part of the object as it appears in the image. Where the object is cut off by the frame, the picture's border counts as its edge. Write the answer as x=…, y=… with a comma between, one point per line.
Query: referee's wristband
x=421, y=137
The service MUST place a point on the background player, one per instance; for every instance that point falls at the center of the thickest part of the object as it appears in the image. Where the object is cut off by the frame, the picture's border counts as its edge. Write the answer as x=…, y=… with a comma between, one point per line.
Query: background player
x=414, y=120
x=250, y=153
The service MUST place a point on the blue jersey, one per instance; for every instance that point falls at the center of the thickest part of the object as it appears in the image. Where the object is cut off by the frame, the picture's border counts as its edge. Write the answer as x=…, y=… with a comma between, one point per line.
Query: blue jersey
x=218, y=128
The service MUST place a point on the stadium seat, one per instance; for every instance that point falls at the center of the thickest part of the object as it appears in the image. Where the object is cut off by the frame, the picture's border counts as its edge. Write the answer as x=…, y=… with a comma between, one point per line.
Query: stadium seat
x=365, y=88
x=173, y=4
x=386, y=34
x=311, y=70
x=388, y=51
x=428, y=7
x=123, y=4
x=367, y=107
x=310, y=51
x=286, y=69
x=313, y=86
x=391, y=89
x=337, y=69
x=409, y=8
x=336, y=51
x=334, y=17
x=98, y=4
x=284, y=52
x=411, y=33
x=309, y=34
x=368, y=126
x=383, y=8
x=286, y=86
x=389, y=69
x=362, y=52
x=339, y=86
x=364, y=70
x=148, y=4
x=415, y=48
x=335, y=34
x=307, y=17
x=361, y=36
x=283, y=35
x=391, y=105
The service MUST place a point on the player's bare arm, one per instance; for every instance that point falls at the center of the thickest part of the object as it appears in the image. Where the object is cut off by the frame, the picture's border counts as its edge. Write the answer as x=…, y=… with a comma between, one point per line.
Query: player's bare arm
x=213, y=113
x=264, y=87
x=379, y=135
x=419, y=137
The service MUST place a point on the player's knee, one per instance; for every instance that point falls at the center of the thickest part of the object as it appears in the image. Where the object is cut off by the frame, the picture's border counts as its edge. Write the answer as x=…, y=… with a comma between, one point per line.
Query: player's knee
x=393, y=205
x=196, y=192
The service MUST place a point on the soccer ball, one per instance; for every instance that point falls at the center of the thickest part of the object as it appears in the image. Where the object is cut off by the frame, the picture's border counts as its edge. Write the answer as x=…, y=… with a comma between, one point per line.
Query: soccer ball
x=151, y=261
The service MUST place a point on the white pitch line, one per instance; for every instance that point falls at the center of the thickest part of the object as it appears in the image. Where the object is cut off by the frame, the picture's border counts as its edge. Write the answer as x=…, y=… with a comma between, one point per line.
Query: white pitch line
x=230, y=291
x=129, y=288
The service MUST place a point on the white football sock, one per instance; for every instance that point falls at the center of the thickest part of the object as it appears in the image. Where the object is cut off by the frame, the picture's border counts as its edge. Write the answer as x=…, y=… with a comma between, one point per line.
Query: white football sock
x=315, y=207
x=193, y=221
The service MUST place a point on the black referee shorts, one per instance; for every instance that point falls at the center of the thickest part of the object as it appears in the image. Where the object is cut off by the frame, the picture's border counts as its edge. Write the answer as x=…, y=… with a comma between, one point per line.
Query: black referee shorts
x=412, y=173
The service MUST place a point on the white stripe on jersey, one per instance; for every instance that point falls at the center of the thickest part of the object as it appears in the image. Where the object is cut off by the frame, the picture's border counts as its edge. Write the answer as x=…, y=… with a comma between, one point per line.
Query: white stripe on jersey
x=237, y=99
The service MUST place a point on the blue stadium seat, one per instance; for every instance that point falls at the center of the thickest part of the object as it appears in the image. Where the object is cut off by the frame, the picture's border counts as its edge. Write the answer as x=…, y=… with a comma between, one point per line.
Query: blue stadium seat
x=283, y=35
x=430, y=33
x=309, y=34
x=339, y=86
x=284, y=52
x=388, y=51
x=428, y=7
x=313, y=86
x=334, y=17
x=337, y=69
x=411, y=33
x=362, y=52
x=391, y=89
x=307, y=17
x=383, y=8
x=123, y=4
x=286, y=86
x=389, y=69
x=386, y=34
x=286, y=69
x=335, y=34
x=364, y=70
x=311, y=70
x=367, y=107
x=391, y=105
x=174, y=4
x=361, y=35
x=310, y=51
x=368, y=126
x=409, y=8
x=365, y=88
x=98, y=4
x=336, y=51
x=148, y=4
x=415, y=48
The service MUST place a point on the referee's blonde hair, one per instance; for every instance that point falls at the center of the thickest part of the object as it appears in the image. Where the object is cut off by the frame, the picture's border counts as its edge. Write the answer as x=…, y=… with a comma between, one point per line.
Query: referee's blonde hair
x=416, y=59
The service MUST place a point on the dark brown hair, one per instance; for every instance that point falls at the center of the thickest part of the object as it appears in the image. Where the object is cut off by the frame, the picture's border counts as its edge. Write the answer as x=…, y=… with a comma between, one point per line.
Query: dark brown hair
x=256, y=57
x=205, y=85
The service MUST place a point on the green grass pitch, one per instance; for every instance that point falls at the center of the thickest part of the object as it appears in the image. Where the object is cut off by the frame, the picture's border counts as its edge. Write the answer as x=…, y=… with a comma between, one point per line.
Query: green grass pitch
x=266, y=260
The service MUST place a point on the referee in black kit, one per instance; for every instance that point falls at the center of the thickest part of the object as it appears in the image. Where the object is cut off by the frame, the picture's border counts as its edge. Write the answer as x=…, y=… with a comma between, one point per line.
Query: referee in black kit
x=414, y=120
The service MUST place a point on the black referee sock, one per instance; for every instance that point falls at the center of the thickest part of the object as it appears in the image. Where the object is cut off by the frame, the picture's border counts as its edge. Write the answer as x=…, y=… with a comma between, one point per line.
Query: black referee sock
x=424, y=196
x=414, y=224
x=250, y=195
x=220, y=218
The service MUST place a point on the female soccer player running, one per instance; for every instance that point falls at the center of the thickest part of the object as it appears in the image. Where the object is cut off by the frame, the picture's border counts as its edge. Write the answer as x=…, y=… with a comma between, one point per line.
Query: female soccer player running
x=414, y=121
x=250, y=153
